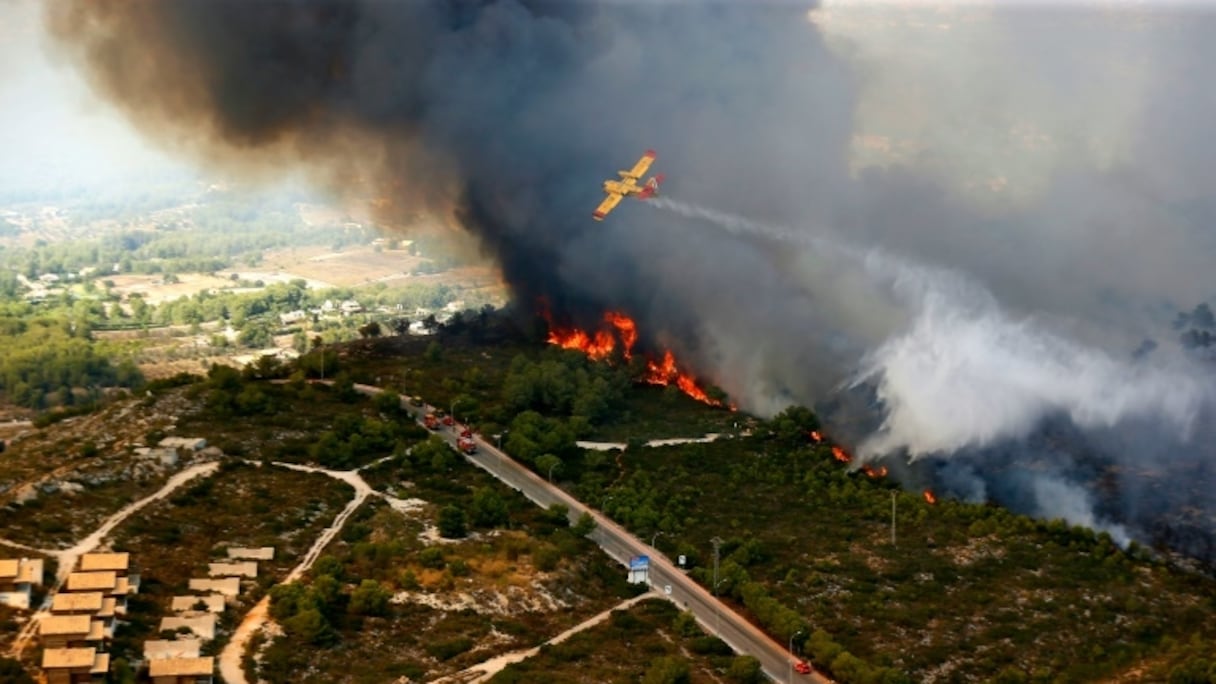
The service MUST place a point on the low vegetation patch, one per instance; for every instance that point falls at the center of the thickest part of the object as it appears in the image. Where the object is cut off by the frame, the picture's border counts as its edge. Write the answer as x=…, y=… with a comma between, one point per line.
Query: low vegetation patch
x=444, y=595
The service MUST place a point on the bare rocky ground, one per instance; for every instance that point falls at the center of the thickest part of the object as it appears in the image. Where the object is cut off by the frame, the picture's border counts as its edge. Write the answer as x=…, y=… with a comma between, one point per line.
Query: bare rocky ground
x=59, y=482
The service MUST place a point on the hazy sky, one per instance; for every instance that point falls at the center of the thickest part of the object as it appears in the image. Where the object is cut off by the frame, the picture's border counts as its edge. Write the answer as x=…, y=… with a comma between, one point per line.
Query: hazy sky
x=53, y=131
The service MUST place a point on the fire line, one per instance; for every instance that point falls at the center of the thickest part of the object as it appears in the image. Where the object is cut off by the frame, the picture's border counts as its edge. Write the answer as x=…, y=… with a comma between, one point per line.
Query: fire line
x=602, y=343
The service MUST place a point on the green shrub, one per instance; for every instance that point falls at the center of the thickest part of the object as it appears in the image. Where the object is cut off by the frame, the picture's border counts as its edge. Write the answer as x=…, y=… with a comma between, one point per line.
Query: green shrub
x=446, y=650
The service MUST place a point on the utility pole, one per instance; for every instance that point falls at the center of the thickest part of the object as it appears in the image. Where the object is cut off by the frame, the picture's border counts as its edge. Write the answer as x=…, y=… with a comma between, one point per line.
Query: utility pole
x=892, y=517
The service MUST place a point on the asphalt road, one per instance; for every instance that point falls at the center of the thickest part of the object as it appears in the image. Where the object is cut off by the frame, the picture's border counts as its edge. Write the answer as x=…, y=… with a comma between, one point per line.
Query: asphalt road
x=667, y=579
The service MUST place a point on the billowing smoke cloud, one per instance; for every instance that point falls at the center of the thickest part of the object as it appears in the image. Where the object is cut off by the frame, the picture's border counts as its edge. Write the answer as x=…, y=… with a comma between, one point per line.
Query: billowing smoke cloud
x=967, y=374
x=505, y=115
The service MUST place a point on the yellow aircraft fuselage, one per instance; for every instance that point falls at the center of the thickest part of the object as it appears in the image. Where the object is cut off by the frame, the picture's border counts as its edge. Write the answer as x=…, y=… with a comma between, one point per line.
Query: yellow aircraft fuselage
x=627, y=186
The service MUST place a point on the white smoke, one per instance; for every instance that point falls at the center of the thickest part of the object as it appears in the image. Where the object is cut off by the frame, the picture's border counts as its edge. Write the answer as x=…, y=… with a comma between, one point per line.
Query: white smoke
x=964, y=372
x=1058, y=499
x=967, y=373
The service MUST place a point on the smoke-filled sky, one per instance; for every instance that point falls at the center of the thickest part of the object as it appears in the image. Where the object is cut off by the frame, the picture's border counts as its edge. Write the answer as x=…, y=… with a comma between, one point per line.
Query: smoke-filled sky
x=984, y=211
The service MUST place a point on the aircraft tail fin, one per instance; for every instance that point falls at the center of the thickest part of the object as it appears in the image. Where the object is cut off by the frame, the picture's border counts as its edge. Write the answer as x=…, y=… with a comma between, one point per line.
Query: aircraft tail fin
x=652, y=187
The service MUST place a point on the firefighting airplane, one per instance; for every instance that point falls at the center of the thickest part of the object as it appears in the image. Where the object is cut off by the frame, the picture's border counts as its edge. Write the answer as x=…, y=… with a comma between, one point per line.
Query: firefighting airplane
x=628, y=185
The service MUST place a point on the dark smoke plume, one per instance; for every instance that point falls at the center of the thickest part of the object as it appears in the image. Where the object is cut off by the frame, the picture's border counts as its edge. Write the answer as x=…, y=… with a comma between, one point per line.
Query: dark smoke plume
x=969, y=324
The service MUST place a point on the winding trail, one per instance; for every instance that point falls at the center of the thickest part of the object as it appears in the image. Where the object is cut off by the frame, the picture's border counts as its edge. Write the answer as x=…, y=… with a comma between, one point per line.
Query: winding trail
x=255, y=619
x=483, y=671
x=67, y=557
x=489, y=668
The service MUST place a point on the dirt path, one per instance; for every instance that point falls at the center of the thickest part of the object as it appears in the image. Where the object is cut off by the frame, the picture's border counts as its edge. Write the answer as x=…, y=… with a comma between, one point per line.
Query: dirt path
x=67, y=557
x=482, y=672
x=19, y=545
x=255, y=619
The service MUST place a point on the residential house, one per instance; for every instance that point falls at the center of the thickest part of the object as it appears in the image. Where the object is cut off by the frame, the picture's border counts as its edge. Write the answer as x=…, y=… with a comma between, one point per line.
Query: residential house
x=203, y=626
x=74, y=665
x=164, y=649
x=72, y=631
x=107, y=582
x=211, y=603
x=241, y=553
x=93, y=603
x=118, y=563
x=18, y=577
x=240, y=569
x=228, y=586
x=182, y=670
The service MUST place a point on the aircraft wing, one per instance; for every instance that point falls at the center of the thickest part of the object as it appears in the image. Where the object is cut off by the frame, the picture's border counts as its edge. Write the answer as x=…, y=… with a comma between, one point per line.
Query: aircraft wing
x=643, y=164
x=609, y=203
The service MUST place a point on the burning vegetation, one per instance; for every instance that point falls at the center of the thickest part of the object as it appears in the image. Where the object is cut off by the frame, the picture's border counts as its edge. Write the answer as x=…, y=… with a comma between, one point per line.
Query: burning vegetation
x=620, y=332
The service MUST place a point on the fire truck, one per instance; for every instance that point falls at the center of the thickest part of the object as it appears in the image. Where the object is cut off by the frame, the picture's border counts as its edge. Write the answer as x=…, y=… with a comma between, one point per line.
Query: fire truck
x=466, y=444
x=430, y=421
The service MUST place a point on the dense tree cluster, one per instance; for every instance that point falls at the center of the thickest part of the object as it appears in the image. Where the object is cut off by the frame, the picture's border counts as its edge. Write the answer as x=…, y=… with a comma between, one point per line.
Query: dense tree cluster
x=51, y=361
x=565, y=385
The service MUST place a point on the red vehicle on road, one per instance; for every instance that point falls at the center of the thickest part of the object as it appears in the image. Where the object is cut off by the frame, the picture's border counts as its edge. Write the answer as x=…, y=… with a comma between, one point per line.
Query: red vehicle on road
x=801, y=667
x=431, y=422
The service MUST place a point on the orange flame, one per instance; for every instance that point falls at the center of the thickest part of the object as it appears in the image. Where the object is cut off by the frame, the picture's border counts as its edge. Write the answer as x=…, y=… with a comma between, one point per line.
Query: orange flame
x=875, y=473
x=929, y=498
x=626, y=327
x=816, y=436
x=840, y=455
x=667, y=373
x=597, y=347
x=601, y=344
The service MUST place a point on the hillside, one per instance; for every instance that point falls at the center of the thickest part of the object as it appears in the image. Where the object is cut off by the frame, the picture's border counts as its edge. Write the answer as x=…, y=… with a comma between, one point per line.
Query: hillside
x=966, y=593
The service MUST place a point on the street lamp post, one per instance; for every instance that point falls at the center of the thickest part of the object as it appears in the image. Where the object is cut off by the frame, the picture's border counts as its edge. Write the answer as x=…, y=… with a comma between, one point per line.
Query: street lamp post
x=654, y=537
x=452, y=413
x=551, y=472
x=791, y=650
